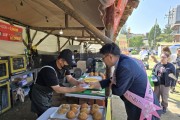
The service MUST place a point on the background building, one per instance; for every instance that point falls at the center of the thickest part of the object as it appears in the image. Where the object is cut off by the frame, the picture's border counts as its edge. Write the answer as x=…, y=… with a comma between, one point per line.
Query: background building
x=174, y=22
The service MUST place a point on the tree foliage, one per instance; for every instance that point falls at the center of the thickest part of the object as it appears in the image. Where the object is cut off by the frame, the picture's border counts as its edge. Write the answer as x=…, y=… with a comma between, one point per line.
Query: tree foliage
x=166, y=36
x=153, y=34
x=136, y=41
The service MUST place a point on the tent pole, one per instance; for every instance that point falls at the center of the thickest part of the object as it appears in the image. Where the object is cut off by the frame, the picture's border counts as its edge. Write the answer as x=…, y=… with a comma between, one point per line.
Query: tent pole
x=43, y=38
x=81, y=20
x=58, y=43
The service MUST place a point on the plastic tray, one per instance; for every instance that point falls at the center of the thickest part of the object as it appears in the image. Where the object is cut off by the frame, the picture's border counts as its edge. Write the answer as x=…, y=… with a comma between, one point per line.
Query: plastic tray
x=55, y=115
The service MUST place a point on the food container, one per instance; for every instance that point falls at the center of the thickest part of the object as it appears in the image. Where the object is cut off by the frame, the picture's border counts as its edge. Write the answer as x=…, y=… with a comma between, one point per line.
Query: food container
x=55, y=114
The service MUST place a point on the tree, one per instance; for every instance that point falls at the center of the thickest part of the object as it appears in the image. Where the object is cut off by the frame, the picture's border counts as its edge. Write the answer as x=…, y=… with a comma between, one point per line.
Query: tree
x=153, y=34
x=166, y=36
x=167, y=30
x=136, y=41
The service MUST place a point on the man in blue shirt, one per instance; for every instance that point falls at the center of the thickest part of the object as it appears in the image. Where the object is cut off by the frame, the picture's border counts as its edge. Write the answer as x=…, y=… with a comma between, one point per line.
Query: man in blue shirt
x=128, y=76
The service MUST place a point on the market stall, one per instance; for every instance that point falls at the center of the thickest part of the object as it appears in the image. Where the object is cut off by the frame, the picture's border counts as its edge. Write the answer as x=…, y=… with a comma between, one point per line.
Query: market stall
x=83, y=22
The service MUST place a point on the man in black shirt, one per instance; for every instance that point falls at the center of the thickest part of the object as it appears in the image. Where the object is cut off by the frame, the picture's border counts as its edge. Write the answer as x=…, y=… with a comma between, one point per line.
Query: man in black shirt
x=48, y=81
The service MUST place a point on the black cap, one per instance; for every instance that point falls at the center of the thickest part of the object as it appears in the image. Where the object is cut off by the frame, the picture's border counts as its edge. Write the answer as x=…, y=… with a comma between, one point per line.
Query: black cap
x=68, y=56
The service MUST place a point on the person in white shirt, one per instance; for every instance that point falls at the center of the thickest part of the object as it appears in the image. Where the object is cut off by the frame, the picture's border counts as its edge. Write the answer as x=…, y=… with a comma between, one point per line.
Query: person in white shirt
x=143, y=53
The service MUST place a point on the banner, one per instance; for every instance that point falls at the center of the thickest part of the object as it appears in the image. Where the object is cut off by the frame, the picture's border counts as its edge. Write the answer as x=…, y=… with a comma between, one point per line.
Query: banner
x=10, y=33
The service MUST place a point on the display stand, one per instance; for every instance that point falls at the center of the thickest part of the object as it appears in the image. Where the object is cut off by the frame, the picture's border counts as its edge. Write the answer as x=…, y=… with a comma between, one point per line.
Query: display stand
x=21, y=82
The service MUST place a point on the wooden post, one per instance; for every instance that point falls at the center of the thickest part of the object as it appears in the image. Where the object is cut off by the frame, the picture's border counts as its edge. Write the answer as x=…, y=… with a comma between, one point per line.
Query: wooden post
x=65, y=43
x=94, y=37
x=69, y=42
x=24, y=42
x=58, y=43
x=29, y=38
x=110, y=34
x=81, y=20
x=66, y=20
x=72, y=42
x=80, y=43
x=34, y=35
x=43, y=38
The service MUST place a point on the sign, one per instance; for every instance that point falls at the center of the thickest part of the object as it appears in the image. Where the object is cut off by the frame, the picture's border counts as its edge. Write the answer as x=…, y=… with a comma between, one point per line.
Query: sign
x=10, y=33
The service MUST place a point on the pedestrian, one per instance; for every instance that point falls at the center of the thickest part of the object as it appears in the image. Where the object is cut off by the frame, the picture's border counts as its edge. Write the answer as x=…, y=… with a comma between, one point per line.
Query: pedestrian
x=177, y=65
x=143, y=54
x=48, y=80
x=130, y=83
x=171, y=58
x=162, y=71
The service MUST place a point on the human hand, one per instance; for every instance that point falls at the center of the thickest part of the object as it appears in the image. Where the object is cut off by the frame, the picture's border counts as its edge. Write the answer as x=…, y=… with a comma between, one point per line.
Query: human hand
x=80, y=88
x=81, y=82
x=95, y=85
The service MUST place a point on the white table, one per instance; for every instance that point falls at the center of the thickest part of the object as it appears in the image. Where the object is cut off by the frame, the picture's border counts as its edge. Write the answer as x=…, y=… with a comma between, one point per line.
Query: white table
x=47, y=113
x=85, y=96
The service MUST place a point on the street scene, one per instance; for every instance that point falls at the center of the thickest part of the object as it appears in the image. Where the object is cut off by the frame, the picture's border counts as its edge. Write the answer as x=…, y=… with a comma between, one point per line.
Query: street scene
x=90, y=60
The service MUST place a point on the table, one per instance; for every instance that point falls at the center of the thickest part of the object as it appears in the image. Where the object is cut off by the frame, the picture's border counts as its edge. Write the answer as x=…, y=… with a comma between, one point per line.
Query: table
x=87, y=94
x=117, y=107
x=47, y=113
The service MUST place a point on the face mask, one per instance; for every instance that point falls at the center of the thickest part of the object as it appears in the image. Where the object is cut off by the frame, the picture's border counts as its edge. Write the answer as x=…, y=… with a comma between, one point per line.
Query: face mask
x=66, y=67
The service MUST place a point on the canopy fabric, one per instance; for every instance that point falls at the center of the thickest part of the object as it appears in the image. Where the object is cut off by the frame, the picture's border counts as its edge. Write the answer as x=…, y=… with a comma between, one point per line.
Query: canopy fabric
x=45, y=16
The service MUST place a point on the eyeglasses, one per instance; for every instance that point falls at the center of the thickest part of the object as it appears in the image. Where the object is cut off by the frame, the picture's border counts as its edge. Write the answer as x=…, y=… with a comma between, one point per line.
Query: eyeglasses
x=104, y=57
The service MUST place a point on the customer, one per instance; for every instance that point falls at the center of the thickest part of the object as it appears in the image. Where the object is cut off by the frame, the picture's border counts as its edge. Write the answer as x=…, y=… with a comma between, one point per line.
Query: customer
x=143, y=54
x=130, y=83
x=171, y=58
x=177, y=65
x=162, y=70
x=48, y=81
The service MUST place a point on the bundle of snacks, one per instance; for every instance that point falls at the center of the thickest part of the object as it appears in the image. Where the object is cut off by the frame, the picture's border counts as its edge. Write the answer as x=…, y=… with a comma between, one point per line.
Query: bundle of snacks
x=79, y=112
x=82, y=116
x=91, y=74
x=74, y=105
x=87, y=80
x=63, y=109
x=74, y=109
x=94, y=109
x=86, y=110
x=84, y=105
x=97, y=74
x=66, y=106
x=97, y=116
x=95, y=106
x=70, y=114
